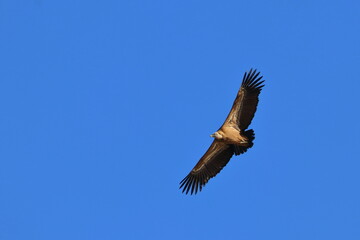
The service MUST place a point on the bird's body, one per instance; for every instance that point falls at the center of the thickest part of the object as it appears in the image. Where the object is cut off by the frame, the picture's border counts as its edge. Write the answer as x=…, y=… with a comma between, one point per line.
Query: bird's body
x=231, y=135
x=231, y=138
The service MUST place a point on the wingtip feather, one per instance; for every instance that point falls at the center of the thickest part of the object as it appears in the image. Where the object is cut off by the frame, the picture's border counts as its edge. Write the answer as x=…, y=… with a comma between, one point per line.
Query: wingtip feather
x=251, y=80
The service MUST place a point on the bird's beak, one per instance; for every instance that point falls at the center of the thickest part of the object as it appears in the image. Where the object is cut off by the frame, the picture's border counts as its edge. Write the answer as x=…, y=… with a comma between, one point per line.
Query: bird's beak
x=212, y=135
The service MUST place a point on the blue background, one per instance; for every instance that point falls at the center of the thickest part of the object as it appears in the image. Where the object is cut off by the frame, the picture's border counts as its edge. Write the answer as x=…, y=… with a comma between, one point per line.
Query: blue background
x=106, y=105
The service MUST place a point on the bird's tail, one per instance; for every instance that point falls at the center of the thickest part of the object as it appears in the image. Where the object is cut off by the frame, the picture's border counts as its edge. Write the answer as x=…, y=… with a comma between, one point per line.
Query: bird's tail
x=241, y=149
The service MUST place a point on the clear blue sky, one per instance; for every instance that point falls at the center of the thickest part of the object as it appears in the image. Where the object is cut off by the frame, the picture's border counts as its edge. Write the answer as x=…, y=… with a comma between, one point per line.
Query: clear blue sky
x=106, y=105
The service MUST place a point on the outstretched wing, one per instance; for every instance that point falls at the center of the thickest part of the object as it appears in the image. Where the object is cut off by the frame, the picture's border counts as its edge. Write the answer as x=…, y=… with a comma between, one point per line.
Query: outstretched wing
x=244, y=106
x=215, y=158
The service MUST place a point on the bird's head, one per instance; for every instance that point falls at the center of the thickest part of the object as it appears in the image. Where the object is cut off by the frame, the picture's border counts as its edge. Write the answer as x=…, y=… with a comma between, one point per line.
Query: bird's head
x=216, y=135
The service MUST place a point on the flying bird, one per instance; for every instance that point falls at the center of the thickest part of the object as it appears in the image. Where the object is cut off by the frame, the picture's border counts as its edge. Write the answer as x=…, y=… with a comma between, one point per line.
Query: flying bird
x=231, y=138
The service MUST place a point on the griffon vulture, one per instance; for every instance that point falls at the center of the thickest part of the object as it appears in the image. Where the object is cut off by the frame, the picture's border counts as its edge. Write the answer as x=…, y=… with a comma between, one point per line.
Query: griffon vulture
x=231, y=138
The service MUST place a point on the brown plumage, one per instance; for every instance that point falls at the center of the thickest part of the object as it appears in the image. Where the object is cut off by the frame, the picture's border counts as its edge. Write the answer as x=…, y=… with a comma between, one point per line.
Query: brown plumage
x=231, y=138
